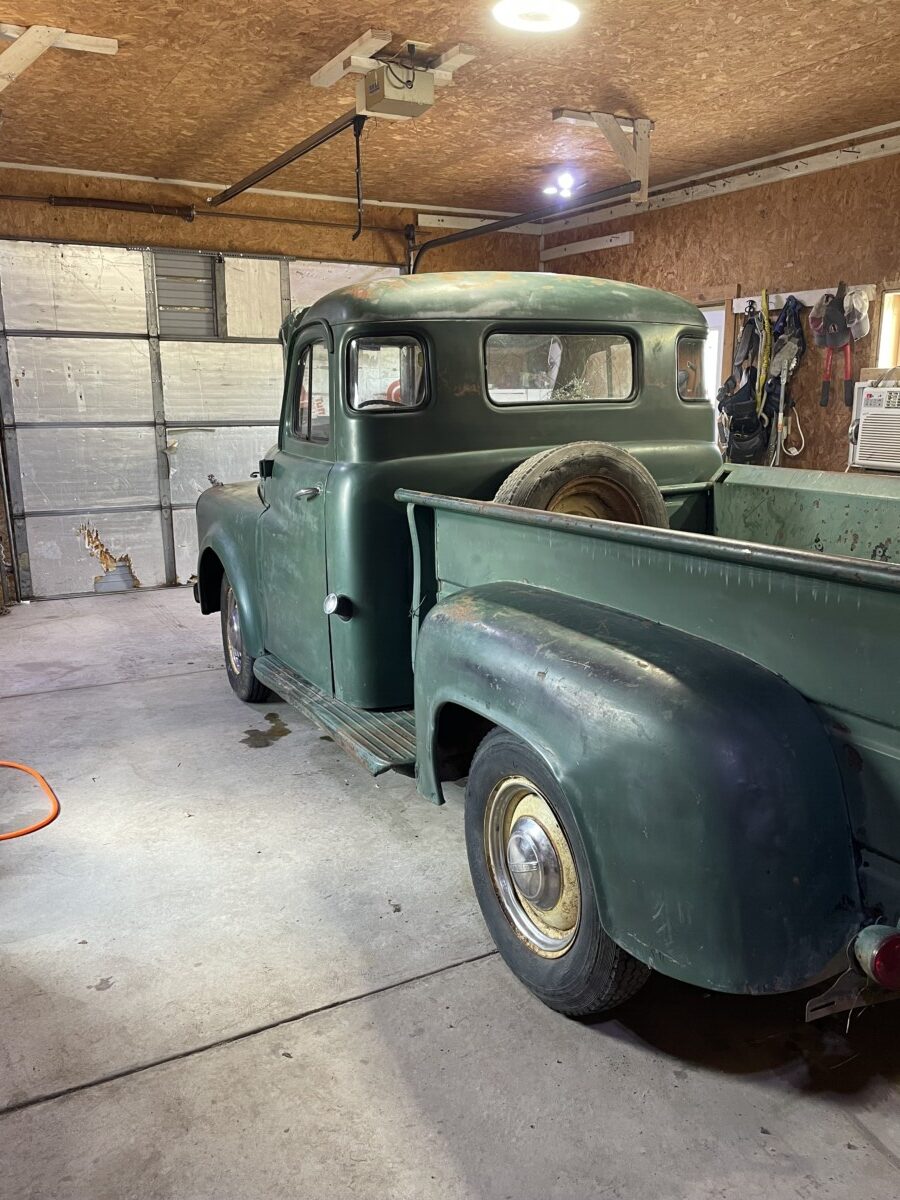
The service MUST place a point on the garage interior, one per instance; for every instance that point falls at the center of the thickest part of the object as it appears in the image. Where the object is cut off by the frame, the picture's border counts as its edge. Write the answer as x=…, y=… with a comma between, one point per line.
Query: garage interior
x=238, y=964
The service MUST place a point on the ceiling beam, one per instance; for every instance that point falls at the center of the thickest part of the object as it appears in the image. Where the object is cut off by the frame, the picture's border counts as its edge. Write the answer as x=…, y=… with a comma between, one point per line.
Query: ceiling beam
x=67, y=41
x=628, y=137
x=25, y=49
x=339, y=66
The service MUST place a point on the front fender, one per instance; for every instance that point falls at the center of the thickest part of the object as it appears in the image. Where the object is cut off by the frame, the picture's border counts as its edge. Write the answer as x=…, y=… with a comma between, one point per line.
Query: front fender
x=227, y=519
x=704, y=787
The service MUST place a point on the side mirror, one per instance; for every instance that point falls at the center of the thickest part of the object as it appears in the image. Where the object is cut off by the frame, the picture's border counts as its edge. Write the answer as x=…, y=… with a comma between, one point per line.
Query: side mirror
x=265, y=468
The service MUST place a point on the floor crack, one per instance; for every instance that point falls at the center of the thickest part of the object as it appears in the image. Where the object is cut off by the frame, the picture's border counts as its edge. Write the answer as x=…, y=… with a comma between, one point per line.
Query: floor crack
x=163, y=1060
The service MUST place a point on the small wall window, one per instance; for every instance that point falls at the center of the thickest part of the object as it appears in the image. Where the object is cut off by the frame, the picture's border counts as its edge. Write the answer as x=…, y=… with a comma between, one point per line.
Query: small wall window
x=558, y=368
x=387, y=373
x=312, y=412
x=889, y=334
x=185, y=294
x=691, y=375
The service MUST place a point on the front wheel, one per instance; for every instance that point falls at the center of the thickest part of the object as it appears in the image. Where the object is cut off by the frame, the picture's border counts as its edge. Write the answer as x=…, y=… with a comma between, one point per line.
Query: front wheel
x=238, y=663
x=533, y=884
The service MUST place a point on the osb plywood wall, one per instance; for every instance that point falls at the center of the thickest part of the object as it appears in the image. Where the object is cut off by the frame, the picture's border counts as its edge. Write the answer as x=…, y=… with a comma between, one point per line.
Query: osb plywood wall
x=251, y=224
x=806, y=233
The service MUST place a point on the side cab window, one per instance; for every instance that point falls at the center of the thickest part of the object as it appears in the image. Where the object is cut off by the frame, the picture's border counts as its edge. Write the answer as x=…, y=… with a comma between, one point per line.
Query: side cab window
x=309, y=417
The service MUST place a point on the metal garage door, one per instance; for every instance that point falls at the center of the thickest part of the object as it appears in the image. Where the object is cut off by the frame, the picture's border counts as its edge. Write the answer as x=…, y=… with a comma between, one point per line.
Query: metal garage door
x=130, y=380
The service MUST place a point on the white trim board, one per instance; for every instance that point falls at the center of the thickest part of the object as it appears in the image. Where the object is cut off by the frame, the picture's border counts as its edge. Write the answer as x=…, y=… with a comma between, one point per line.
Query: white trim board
x=598, y=243
x=660, y=198
x=807, y=298
x=206, y=185
x=444, y=220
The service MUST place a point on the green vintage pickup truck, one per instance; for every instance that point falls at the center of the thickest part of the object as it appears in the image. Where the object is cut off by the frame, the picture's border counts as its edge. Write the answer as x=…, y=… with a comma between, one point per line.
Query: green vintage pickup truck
x=496, y=542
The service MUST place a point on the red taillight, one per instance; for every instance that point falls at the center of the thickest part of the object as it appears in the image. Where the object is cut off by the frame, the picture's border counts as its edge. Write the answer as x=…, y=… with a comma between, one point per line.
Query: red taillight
x=877, y=950
x=886, y=963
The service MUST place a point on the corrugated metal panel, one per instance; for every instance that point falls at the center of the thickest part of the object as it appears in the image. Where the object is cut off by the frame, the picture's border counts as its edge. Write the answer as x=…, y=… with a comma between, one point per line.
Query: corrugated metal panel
x=185, y=294
x=252, y=297
x=310, y=280
x=221, y=381
x=87, y=468
x=80, y=379
x=84, y=288
x=228, y=455
x=61, y=565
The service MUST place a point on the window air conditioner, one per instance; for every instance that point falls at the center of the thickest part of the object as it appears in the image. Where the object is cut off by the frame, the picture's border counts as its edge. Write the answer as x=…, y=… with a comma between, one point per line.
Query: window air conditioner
x=875, y=429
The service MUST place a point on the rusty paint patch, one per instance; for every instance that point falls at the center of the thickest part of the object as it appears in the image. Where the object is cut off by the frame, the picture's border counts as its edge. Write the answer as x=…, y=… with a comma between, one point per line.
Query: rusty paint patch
x=118, y=570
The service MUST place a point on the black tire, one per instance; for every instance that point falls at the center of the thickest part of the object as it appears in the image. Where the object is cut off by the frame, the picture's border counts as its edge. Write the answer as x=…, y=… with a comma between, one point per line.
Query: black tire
x=594, y=974
x=590, y=479
x=243, y=682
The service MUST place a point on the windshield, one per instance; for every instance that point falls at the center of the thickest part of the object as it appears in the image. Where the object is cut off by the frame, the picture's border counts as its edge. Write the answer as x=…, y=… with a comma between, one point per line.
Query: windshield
x=558, y=368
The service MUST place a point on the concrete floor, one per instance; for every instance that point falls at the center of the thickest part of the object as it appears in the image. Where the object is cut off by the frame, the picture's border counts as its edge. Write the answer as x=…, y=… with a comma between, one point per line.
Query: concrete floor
x=237, y=967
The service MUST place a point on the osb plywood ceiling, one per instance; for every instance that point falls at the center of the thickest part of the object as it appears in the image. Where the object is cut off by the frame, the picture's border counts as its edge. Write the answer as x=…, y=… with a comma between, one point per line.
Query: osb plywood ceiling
x=210, y=89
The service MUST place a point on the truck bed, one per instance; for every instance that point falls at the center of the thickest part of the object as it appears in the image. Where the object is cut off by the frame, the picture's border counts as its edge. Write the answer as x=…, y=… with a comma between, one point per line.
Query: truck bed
x=828, y=623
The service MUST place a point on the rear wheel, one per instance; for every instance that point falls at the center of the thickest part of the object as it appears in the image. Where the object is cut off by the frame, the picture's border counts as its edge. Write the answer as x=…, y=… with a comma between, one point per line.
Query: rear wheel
x=238, y=663
x=587, y=479
x=534, y=886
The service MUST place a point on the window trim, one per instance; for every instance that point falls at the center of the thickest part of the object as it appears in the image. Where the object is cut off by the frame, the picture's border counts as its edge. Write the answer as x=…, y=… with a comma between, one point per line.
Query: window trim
x=290, y=425
x=543, y=328
x=387, y=336
x=693, y=336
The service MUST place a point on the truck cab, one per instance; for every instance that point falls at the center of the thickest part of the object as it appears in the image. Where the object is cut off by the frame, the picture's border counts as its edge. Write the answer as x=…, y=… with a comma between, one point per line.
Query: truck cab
x=443, y=382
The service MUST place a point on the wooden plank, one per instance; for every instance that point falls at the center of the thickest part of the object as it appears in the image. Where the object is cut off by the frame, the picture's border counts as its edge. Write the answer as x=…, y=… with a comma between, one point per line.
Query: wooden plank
x=67, y=41
x=806, y=298
x=24, y=50
x=598, y=243
x=363, y=47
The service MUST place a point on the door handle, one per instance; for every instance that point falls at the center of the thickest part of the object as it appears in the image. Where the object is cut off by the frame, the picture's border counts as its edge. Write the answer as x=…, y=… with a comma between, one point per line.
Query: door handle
x=307, y=493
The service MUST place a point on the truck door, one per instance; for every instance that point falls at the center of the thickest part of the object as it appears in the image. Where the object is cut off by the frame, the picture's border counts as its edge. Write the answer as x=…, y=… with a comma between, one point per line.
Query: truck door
x=291, y=532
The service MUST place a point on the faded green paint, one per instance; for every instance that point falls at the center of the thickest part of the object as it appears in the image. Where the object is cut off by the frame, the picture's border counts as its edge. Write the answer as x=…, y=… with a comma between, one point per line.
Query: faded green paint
x=822, y=511
x=744, y=753
x=459, y=443
x=501, y=296
x=712, y=862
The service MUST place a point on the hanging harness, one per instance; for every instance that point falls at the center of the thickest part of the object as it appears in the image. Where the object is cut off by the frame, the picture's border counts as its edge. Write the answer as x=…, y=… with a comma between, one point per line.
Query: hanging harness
x=754, y=401
x=744, y=434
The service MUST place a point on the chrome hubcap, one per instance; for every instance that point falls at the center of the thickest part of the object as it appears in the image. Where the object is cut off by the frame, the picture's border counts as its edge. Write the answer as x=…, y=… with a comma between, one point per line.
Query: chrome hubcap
x=233, y=642
x=533, y=863
x=532, y=867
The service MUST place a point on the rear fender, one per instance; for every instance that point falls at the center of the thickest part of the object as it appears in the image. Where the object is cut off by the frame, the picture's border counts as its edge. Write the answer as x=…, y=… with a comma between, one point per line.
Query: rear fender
x=704, y=787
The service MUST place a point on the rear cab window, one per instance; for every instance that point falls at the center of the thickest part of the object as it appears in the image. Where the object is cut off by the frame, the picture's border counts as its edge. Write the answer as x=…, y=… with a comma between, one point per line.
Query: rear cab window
x=559, y=368
x=690, y=373
x=387, y=374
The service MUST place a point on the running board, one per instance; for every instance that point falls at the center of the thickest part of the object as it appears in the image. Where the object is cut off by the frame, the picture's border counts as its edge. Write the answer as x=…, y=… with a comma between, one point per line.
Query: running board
x=380, y=740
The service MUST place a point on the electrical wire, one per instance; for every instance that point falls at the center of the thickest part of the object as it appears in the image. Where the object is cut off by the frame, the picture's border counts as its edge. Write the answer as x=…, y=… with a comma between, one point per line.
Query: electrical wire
x=51, y=796
x=403, y=83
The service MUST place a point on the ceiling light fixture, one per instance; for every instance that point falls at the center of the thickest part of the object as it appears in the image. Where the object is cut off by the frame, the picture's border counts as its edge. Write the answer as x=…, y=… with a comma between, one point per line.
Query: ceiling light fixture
x=536, y=16
x=565, y=193
x=566, y=181
x=550, y=190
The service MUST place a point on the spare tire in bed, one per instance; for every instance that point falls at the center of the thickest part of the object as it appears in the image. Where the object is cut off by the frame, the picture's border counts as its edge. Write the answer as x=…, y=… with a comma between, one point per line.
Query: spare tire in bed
x=587, y=479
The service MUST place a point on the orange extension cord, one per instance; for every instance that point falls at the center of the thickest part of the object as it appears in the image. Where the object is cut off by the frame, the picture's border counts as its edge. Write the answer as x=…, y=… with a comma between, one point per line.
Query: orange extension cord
x=51, y=796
